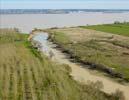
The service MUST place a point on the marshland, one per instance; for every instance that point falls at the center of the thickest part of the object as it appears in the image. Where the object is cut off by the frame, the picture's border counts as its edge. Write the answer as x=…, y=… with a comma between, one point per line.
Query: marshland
x=27, y=74
x=90, y=62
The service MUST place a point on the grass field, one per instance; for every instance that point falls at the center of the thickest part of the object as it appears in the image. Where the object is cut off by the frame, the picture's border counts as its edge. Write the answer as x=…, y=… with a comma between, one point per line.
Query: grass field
x=103, y=51
x=25, y=74
x=120, y=28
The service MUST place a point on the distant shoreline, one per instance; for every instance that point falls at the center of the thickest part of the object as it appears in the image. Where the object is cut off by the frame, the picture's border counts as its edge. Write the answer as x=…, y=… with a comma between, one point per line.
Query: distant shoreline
x=59, y=11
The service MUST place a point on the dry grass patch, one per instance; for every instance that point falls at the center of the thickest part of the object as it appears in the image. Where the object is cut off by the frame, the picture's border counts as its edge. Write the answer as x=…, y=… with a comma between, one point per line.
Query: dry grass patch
x=104, y=51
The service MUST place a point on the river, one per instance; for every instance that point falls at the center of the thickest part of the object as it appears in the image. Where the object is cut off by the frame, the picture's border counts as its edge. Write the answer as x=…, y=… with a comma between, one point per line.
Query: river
x=26, y=22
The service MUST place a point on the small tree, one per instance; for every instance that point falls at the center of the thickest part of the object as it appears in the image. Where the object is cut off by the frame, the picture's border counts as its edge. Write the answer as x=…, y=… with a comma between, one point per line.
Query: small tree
x=16, y=30
x=116, y=22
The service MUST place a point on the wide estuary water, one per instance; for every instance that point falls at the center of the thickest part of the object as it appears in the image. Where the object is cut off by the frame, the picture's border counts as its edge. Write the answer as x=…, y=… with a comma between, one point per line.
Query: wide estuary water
x=26, y=22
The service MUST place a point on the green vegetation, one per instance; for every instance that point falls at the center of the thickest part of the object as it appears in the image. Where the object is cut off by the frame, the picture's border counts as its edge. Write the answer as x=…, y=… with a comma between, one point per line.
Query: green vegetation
x=116, y=28
x=25, y=74
x=110, y=56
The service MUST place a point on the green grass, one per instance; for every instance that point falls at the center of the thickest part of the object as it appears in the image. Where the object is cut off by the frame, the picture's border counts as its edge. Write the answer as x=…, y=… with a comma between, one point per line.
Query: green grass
x=61, y=39
x=94, y=52
x=120, y=28
x=25, y=74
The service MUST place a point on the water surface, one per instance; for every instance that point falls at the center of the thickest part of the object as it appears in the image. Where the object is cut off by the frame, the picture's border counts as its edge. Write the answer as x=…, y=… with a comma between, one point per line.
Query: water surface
x=42, y=38
x=26, y=22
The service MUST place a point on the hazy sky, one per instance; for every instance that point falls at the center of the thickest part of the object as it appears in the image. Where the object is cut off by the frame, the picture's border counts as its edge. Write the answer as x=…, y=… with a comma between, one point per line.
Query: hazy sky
x=64, y=4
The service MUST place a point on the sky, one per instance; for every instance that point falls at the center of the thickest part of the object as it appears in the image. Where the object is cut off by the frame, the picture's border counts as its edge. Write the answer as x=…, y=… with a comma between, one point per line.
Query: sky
x=64, y=4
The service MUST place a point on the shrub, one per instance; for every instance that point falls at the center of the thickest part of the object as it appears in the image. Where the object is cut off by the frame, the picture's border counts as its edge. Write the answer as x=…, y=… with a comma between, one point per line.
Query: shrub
x=118, y=95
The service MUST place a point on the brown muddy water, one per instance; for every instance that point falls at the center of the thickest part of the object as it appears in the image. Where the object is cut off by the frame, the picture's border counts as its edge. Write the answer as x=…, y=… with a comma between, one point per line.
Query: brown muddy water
x=26, y=22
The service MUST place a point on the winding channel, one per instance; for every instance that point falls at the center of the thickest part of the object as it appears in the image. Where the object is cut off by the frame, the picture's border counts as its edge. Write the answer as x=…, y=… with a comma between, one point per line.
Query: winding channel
x=79, y=73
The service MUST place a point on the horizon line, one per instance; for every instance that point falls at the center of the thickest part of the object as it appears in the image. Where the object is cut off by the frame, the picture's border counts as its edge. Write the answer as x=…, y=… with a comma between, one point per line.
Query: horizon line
x=63, y=9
